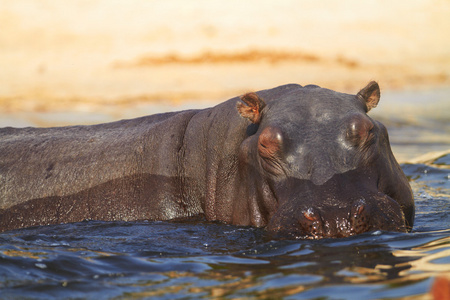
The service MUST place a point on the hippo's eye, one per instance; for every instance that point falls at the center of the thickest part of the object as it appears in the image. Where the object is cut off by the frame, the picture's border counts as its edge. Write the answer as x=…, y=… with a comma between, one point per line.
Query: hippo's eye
x=360, y=131
x=269, y=149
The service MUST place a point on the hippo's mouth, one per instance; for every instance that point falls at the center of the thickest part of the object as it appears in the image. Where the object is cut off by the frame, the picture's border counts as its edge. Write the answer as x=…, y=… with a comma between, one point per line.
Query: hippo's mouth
x=379, y=212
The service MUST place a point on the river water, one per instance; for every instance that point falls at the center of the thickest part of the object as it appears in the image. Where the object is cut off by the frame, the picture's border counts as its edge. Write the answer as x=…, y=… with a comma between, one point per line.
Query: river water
x=194, y=260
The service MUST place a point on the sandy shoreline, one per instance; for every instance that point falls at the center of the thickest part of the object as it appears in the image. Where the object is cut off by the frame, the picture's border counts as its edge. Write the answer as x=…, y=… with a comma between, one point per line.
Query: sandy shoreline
x=91, y=56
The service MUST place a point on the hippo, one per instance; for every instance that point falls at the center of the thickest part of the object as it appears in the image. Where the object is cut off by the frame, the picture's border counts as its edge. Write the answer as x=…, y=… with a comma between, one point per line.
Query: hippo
x=302, y=162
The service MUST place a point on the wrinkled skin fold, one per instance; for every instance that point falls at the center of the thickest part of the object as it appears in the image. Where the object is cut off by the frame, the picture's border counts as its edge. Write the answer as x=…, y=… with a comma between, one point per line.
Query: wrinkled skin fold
x=304, y=162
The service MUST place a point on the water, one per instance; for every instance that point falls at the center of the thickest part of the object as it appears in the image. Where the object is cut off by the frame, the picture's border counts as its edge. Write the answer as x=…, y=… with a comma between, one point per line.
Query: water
x=195, y=260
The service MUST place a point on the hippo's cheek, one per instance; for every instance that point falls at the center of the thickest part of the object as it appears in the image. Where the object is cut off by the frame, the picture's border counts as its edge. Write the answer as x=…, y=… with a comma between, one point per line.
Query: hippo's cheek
x=379, y=212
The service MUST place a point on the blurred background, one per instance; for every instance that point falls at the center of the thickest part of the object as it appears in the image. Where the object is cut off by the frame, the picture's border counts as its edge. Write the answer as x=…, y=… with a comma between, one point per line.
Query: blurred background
x=91, y=61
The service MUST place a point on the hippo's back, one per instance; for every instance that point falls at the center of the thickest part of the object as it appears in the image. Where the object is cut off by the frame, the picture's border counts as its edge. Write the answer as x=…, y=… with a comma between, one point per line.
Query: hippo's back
x=59, y=161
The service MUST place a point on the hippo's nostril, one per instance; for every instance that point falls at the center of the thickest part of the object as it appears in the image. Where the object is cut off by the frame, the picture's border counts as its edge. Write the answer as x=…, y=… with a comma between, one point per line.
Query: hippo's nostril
x=359, y=217
x=311, y=224
x=310, y=215
x=360, y=209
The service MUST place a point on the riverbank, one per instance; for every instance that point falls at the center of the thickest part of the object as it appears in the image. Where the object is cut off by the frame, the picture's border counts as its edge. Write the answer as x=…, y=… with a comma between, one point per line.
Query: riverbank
x=106, y=57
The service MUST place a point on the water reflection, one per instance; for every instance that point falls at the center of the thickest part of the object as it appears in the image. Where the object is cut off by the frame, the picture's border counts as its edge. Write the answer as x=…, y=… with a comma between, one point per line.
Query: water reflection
x=434, y=258
x=378, y=261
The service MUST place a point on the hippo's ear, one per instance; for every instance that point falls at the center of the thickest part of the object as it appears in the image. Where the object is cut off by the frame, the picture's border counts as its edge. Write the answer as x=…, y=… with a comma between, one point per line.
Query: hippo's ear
x=370, y=95
x=251, y=107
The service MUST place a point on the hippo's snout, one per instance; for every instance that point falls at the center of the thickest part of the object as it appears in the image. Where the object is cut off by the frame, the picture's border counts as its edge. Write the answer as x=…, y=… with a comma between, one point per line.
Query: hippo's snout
x=332, y=221
x=350, y=222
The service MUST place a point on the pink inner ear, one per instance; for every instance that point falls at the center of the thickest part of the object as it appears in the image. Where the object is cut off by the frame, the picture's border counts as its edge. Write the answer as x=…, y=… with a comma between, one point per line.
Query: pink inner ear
x=370, y=95
x=248, y=112
x=372, y=101
x=251, y=107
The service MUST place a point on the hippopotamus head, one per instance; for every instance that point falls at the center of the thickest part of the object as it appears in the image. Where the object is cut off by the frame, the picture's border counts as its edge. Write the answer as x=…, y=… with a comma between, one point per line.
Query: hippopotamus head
x=315, y=165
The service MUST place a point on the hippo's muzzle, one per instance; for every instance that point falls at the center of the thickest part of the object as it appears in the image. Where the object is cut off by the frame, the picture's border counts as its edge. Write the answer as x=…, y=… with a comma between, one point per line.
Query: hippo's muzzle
x=365, y=214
